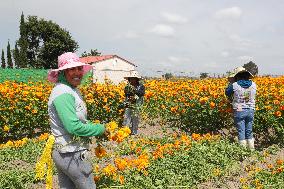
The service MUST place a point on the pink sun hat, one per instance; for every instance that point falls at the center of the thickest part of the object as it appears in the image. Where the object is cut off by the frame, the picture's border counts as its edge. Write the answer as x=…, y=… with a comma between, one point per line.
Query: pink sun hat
x=65, y=61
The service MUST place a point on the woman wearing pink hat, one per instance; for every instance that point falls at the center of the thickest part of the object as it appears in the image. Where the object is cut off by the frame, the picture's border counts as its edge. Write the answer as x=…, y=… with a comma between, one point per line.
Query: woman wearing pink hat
x=69, y=125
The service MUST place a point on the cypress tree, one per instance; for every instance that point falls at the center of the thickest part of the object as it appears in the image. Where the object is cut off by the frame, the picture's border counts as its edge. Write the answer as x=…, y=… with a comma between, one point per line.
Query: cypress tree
x=23, y=44
x=16, y=55
x=9, y=56
x=3, y=64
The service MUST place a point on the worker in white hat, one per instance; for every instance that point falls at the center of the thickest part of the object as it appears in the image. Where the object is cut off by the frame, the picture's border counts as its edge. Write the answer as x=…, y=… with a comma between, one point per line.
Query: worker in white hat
x=242, y=90
x=134, y=93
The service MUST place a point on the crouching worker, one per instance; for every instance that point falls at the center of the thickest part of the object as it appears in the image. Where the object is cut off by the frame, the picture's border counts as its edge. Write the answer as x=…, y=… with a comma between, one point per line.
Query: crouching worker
x=243, y=92
x=69, y=125
x=134, y=95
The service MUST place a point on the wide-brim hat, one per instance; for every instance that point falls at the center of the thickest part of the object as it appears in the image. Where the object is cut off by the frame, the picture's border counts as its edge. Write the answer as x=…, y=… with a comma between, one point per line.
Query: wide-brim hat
x=239, y=70
x=66, y=61
x=133, y=74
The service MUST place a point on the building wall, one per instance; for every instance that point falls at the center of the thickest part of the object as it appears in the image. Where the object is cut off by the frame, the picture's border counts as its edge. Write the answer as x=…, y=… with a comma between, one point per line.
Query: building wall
x=114, y=69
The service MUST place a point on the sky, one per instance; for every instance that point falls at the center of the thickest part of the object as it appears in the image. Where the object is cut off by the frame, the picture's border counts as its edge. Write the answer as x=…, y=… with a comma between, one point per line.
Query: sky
x=183, y=37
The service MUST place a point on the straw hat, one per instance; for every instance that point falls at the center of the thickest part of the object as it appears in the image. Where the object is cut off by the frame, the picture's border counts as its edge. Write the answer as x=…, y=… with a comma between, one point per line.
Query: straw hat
x=239, y=70
x=65, y=61
x=133, y=74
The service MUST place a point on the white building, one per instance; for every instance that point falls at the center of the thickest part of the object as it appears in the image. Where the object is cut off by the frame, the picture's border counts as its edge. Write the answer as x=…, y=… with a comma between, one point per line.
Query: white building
x=111, y=67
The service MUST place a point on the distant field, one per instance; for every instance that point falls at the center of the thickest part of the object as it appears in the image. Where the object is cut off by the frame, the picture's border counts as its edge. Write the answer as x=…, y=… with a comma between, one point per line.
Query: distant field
x=30, y=75
x=23, y=75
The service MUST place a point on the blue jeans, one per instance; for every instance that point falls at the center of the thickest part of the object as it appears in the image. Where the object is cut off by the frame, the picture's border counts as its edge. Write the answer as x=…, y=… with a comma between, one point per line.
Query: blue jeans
x=243, y=121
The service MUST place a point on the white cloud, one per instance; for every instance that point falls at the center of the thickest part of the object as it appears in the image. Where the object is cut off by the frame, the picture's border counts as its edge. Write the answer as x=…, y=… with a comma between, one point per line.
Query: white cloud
x=225, y=54
x=131, y=35
x=174, y=18
x=229, y=13
x=212, y=64
x=245, y=59
x=241, y=42
x=163, y=30
x=175, y=59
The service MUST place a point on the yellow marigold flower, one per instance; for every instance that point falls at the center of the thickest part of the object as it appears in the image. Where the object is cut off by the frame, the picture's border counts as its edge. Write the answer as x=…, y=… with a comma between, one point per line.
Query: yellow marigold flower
x=111, y=126
x=45, y=164
x=216, y=172
x=203, y=100
x=9, y=143
x=6, y=128
x=96, y=121
x=96, y=168
x=109, y=170
x=243, y=180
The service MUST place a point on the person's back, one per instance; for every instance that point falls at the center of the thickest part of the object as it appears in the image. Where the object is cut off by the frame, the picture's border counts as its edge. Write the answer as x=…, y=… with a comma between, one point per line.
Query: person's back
x=243, y=94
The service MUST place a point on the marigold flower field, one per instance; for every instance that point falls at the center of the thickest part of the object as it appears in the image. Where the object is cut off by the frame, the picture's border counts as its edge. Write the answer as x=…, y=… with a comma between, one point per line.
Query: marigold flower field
x=193, y=105
x=197, y=154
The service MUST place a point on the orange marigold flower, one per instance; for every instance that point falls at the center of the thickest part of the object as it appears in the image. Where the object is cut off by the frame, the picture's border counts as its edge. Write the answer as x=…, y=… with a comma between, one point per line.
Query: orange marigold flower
x=121, y=179
x=43, y=136
x=278, y=114
x=100, y=152
x=121, y=164
x=96, y=178
x=279, y=161
x=212, y=105
x=195, y=136
x=270, y=166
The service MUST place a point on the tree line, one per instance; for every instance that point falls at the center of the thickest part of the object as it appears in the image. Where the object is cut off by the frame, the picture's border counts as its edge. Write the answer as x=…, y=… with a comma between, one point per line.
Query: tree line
x=39, y=45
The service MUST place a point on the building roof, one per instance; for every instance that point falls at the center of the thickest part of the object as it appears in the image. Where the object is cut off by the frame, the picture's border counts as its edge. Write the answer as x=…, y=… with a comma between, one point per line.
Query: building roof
x=96, y=59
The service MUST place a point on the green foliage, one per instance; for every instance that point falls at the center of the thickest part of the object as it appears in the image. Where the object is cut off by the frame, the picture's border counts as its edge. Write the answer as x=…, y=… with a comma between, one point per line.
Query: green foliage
x=168, y=76
x=23, y=75
x=23, y=45
x=184, y=168
x=3, y=62
x=17, y=165
x=251, y=67
x=93, y=52
x=46, y=41
x=16, y=179
x=203, y=75
x=16, y=55
x=9, y=56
